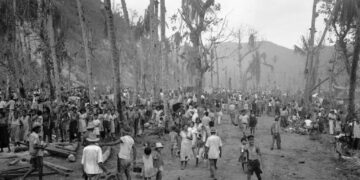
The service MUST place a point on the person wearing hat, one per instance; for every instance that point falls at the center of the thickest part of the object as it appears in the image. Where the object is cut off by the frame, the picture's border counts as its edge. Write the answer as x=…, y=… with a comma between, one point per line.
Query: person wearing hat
x=127, y=147
x=92, y=159
x=36, y=148
x=158, y=160
x=213, y=151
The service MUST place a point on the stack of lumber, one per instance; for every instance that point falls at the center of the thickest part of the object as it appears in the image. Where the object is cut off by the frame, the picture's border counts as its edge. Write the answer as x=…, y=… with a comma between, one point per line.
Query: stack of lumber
x=18, y=171
x=61, y=149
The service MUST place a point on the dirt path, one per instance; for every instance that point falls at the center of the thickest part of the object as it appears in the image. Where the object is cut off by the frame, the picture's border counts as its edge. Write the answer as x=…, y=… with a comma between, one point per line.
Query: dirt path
x=286, y=164
x=319, y=160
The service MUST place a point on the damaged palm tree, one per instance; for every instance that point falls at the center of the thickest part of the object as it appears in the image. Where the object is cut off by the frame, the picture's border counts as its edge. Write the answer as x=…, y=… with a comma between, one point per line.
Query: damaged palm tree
x=193, y=13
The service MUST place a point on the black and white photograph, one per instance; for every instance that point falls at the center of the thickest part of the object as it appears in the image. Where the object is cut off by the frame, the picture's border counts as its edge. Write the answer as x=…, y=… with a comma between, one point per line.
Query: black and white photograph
x=179, y=89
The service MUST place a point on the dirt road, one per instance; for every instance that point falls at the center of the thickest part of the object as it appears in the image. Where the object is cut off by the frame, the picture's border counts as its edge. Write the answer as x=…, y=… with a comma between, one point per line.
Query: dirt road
x=300, y=158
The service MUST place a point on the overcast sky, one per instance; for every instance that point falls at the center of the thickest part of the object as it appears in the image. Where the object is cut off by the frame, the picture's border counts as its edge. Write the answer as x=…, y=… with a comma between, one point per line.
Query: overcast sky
x=279, y=21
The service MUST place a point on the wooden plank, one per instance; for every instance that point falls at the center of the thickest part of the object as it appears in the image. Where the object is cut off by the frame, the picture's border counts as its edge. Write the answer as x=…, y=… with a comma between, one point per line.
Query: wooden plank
x=56, y=170
x=59, y=152
x=58, y=166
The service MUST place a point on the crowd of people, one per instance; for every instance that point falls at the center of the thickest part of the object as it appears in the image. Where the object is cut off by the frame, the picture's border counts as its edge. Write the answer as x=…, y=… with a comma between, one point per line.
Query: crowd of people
x=191, y=124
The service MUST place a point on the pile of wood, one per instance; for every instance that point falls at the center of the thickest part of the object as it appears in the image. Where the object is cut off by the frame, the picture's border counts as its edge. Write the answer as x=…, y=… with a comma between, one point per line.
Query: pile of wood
x=20, y=170
x=62, y=149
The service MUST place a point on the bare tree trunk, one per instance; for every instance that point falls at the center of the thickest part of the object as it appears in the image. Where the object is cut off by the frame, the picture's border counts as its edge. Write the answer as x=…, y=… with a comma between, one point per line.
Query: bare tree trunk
x=153, y=10
x=13, y=64
x=51, y=35
x=354, y=68
x=85, y=37
x=310, y=60
x=125, y=11
x=115, y=57
x=164, y=53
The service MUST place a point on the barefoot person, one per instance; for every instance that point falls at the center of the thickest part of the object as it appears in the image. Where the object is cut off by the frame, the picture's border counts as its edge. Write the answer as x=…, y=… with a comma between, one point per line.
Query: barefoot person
x=254, y=159
x=213, y=151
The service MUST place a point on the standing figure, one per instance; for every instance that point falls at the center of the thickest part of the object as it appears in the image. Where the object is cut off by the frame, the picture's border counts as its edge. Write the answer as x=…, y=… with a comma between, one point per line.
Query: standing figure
x=275, y=133
x=36, y=150
x=254, y=159
x=213, y=151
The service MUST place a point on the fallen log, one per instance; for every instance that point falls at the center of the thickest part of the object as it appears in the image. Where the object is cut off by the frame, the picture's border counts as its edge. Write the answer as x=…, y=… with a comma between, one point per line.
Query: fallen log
x=56, y=170
x=56, y=151
x=58, y=166
x=70, y=147
x=59, y=152
x=14, y=168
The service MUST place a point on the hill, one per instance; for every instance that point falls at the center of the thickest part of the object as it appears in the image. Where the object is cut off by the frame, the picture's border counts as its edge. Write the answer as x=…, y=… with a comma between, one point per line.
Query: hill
x=288, y=66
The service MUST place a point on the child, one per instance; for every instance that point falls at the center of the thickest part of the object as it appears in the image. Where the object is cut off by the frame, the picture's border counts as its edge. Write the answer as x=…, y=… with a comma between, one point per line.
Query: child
x=243, y=154
x=252, y=123
x=149, y=170
x=158, y=161
x=173, y=141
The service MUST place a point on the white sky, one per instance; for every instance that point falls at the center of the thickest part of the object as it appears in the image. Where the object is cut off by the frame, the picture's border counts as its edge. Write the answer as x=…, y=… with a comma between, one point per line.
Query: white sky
x=279, y=21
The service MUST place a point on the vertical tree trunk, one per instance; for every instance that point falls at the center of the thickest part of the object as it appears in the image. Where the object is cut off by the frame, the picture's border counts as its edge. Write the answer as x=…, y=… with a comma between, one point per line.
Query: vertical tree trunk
x=13, y=63
x=354, y=68
x=310, y=60
x=164, y=54
x=85, y=38
x=217, y=75
x=115, y=57
x=51, y=35
x=125, y=11
x=153, y=10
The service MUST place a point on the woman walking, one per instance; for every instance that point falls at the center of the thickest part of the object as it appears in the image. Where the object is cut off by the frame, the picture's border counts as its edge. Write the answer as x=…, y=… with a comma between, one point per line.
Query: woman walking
x=185, y=150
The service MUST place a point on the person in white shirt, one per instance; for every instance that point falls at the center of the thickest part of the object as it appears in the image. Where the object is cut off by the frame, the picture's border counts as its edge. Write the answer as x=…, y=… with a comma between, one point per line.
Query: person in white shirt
x=213, y=151
x=2, y=103
x=331, y=119
x=127, y=147
x=92, y=159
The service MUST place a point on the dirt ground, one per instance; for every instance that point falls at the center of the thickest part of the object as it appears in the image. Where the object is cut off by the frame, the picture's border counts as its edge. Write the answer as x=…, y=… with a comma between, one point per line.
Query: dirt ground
x=300, y=158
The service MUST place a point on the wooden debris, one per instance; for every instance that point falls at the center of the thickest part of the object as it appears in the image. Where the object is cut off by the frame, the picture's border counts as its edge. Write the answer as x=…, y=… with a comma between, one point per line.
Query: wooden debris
x=21, y=149
x=58, y=166
x=56, y=170
x=14, y=162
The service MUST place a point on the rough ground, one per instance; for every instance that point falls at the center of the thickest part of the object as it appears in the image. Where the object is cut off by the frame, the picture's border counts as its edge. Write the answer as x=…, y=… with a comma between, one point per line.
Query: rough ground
x=300, y=158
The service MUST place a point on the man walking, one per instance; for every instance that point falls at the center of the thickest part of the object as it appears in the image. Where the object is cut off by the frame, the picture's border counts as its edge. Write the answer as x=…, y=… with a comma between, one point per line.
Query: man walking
x=92, y=160
x=213, y=151
x=275, y=132
x=127, y=146
x=254, y=158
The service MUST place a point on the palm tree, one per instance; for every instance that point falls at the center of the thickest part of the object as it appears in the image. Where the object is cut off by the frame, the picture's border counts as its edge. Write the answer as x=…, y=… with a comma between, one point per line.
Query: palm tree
x=347, y=20
x=114, y=55
x=85, y=37
x=254, y=67
x=51, y=35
